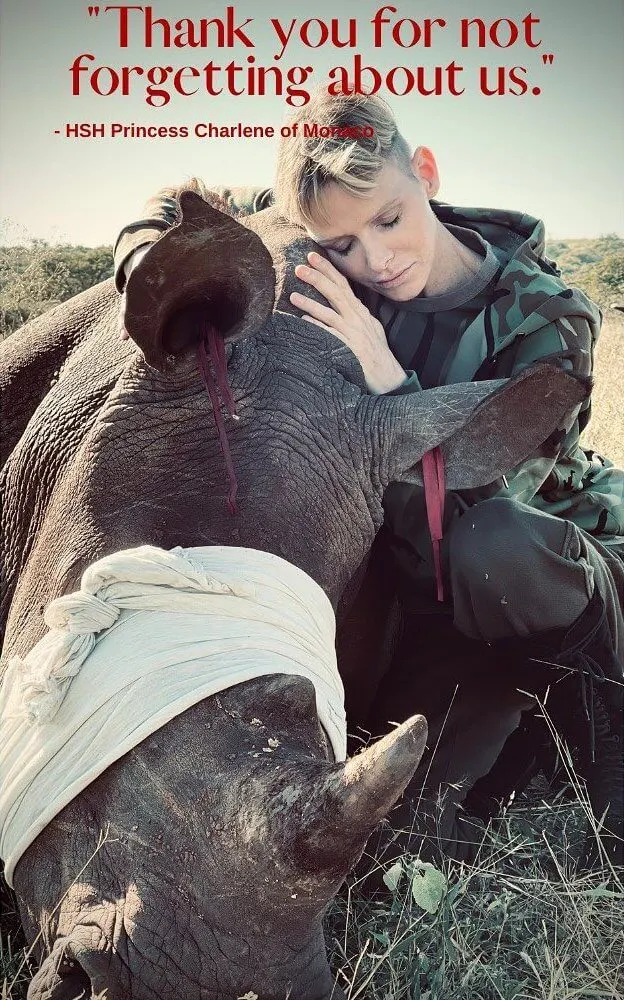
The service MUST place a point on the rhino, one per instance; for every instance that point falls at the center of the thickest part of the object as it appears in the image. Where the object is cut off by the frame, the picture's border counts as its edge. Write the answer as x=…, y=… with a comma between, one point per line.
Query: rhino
x=195, y=864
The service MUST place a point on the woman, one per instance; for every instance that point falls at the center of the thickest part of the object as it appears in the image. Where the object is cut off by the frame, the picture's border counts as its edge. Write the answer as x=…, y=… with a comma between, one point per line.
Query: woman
x=531, y=571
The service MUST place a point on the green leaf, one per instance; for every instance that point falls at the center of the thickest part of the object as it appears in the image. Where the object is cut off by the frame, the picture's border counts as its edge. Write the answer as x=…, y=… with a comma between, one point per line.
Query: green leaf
x=600, y=892
x=382, y=938
x=393, y=876
x=428, y=886
x=407, y=943
x=423, y=963
x=454, y=892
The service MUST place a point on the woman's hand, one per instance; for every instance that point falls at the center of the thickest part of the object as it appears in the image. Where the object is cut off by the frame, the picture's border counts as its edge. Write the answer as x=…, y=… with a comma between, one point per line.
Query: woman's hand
x=349, y=320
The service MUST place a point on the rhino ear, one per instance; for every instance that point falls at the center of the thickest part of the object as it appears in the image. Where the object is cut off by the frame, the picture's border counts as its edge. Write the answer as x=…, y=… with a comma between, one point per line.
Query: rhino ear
x=484, y=429
x=207, y=268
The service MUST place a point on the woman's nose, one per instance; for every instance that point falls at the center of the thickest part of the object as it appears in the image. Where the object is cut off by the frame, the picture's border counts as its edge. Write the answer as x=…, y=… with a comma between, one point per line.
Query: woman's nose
x=378, y=257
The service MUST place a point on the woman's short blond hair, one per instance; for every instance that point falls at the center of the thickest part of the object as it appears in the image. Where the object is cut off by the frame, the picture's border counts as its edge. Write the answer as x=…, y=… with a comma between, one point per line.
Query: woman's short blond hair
x=345, y=139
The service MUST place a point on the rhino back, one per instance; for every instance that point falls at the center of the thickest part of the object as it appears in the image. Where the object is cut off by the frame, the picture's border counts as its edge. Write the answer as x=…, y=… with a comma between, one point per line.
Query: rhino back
x=51, y=398
x=31, y=359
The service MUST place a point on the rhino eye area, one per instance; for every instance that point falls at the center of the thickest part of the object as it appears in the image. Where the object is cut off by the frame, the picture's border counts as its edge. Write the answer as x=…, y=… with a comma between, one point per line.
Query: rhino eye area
x=224, y=310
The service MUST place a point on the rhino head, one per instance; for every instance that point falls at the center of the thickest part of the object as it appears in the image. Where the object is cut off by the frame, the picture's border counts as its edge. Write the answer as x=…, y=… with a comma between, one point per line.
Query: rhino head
x=218, y=860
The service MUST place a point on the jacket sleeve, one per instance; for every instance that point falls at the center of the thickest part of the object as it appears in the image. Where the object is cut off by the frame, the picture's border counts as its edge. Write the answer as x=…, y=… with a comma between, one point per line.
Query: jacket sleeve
x=162, y=211
x=577, y=483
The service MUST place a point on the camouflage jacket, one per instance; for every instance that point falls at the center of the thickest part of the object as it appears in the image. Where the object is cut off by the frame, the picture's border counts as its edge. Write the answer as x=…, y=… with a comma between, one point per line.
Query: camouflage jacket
x=531, y=315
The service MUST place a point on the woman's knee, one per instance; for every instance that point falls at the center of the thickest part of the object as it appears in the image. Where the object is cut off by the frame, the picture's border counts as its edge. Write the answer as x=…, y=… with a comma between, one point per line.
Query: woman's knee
x=492, y=538
x=514, y=570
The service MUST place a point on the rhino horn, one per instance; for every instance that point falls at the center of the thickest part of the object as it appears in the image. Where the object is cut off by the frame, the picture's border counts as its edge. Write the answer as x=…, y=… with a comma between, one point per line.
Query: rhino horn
x=351, y=799
x=208, y=267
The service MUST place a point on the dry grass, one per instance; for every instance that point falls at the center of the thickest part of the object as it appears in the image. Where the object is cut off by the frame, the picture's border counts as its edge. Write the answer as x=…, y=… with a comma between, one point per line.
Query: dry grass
x=606, y=430
x=525, y=921
x=519, y=923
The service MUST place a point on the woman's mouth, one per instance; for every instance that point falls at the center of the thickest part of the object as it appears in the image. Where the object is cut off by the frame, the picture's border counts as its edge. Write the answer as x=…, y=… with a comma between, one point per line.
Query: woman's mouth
x=396, y=280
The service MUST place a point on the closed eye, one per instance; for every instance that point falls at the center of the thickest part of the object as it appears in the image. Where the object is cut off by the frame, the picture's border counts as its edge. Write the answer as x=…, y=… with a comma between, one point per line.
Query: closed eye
x=343, y=251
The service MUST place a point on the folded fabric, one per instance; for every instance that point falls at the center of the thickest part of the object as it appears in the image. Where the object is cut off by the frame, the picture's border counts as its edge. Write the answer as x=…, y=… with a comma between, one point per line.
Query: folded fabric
x=149, y=634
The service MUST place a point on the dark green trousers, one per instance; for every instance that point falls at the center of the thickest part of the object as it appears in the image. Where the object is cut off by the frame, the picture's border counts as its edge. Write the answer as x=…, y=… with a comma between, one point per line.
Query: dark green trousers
x=510, y=571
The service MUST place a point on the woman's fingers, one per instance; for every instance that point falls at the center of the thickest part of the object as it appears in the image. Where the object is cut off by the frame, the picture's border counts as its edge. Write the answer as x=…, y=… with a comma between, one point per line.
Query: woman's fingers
x=338, y=316
x=326, y=267
x=317, y=322
x=328, y=281
x=325, y=314
x=349, y=321
x=322, y=282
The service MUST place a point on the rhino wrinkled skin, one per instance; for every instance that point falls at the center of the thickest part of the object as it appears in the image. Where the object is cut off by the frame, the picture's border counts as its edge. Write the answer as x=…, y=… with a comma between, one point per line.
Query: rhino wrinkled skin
x=192, y=868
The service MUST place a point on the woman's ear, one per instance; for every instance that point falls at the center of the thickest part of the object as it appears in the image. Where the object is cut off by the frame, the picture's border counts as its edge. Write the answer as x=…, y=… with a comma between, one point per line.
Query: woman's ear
x=425, y=169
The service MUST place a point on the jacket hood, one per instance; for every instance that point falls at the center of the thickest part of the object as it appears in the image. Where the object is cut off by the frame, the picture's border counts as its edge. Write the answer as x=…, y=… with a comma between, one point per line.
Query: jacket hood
x=529, y=293
x=508, y=230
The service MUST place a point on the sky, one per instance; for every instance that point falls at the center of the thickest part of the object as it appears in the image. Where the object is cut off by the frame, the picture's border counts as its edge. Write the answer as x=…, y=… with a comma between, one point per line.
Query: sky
x=557, y=155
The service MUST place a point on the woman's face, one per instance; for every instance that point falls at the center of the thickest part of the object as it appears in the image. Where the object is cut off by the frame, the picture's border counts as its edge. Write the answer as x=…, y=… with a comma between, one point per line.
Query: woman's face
x=385, y=240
